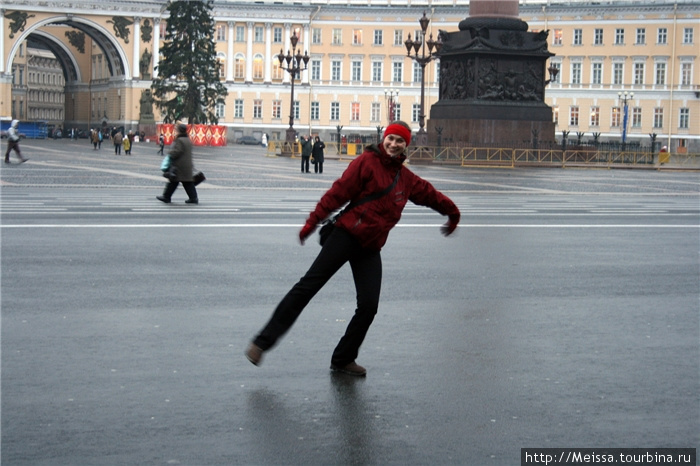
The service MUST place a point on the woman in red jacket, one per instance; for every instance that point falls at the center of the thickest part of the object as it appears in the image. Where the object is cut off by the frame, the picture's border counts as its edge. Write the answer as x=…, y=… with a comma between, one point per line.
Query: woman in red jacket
x=358, y=237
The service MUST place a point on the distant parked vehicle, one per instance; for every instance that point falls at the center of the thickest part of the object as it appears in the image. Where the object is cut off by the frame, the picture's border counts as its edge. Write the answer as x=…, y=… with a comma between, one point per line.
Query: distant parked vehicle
x=250, y=140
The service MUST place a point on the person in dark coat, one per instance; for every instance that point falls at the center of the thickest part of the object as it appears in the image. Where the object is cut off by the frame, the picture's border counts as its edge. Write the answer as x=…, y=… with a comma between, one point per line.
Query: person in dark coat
x=358, y=237
x=181, y=168
x=317, y=155
x=306, y=148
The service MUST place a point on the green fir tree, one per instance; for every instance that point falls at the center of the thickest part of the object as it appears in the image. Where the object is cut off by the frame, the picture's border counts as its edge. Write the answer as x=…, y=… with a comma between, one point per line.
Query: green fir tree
x=188, y=85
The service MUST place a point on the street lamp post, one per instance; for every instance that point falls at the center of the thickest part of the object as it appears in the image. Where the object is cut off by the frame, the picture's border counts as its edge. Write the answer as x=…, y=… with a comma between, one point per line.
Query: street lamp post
x=391, y=96
x=422, y=59
x=624, y=97
x=296, y=63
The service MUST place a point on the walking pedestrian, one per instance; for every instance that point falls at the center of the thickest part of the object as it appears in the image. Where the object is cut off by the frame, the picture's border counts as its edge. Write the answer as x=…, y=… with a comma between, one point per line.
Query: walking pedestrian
x=306, y=148
x=13, y=142
x=126, y=142
x=131, y=141
x=94, y=138
x=317, y=155
x=117, y=140
x=161, y=141
x=379, y=177
x=181, y=168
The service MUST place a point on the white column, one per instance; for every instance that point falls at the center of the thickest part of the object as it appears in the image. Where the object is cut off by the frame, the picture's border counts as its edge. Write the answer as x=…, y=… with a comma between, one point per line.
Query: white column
x=156, y=46
x=230, y=59
x=249, y=55
x=305, y=74
x=268, y=53
x=2, y=41
x=136, y=73
x=287, y=47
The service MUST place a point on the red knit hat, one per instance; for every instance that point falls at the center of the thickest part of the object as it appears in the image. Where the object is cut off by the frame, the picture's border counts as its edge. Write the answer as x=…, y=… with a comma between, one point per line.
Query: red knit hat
x=399, y=130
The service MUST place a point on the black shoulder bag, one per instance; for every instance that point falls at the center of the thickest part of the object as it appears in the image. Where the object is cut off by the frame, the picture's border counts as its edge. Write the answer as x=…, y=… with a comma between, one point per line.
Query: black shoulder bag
x=329, y=224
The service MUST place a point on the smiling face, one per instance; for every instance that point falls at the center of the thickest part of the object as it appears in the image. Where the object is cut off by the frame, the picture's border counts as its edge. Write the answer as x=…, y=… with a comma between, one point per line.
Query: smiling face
x=394, y=145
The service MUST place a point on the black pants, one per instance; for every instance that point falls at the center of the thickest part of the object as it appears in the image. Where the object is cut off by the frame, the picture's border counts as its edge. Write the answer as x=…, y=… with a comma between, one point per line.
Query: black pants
x=172, y=186
x=318, y=167
x=12, y=145
x=305, y=163
x=341, y=247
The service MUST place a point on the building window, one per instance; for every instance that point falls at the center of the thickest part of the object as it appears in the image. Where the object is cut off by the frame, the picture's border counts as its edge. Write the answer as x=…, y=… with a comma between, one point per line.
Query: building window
x=258, y=66
x=686, y=74
x=378, y=37
x=335, y=70
x=295, y=110
x=575, y=73
x=555, y=115
x=240, y=34
x=355, y=111
x=639, y=73
x=636, y=117
x=660, y=75
x=598, y=37
x=658, y=117
x=573, y=116
x=688, y=36
x=597, y=73
x=684, y=118
x=257, y=109
x=595, y=116
x=619, y=36
x=398, y=37
x=356, y=70
x=357, y=37
x=337, y=37
x=397, y=111
x=557, y=37
x=220, y=110
x=316, y=36
x=641, y=38
x=277, y=71
x=315, y=110
x=662, y=36
x=276, y=109
x=238, y=108
x=377, y=71
x=578, y=37
x=277, y=35
x=258, y=35
x=376, y=111
x=221, y=33
x=335, y=111
x=615, y=117
x=417, y=72
x=618, y=69
x=415, y=113
x=397, y=72
x=315, y=70
x=239, y=67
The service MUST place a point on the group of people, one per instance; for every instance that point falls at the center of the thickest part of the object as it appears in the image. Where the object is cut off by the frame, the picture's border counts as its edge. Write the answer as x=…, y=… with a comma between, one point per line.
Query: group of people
x=312, y=152
x=119, y=140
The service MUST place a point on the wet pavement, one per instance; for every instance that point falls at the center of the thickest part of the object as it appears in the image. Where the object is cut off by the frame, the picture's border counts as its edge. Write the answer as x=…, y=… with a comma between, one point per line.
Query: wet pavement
x=563, y=313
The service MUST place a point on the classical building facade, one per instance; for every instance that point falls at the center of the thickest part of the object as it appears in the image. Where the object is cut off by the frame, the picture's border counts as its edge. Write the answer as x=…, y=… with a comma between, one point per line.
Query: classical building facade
x=618, y=62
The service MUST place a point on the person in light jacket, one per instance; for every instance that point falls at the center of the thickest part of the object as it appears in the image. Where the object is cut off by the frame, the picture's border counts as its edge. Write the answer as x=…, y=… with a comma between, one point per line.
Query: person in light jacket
x=13, y=142
x=181, y=168
x=358, y=237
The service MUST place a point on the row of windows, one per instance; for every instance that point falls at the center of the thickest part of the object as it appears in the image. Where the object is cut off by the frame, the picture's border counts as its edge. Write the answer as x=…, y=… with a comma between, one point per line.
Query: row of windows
x=315, y=111
x=55, y=79
x=57, y=97
x=618, y=72
x=619, y=39
x=617, y=117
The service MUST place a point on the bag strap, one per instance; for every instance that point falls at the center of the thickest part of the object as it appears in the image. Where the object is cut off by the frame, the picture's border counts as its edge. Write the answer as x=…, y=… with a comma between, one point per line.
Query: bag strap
x=372, y=196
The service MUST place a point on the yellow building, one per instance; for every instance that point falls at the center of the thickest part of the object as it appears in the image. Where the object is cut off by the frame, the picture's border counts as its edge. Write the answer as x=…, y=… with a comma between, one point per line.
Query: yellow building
x=603, y=49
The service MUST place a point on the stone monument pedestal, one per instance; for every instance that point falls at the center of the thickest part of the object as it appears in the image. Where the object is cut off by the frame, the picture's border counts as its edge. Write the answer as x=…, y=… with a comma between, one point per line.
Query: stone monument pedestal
x=492, y=79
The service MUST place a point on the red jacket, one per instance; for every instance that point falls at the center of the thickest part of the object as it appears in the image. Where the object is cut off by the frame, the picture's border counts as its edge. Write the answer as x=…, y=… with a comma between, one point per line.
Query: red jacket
x=369, y=173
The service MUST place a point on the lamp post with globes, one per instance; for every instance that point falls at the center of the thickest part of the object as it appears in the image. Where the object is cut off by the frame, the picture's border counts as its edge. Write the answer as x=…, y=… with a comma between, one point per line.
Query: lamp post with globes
x=391, y=96
x=296, y=63
x=624, y=97
x=418, y=45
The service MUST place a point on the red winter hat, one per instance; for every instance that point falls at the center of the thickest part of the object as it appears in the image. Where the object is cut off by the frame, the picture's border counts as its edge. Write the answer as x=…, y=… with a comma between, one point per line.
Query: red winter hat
x=399, y=130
